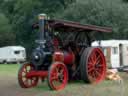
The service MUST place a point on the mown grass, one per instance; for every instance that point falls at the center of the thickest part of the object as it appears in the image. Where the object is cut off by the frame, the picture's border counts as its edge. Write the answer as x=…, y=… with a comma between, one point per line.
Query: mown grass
x=9, y=69
x=106, y=88
x=75, y=88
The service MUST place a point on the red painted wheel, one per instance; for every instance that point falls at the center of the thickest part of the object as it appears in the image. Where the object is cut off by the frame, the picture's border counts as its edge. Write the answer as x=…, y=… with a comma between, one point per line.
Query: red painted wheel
x=25, y=82
x=57, y=76
x=93, y=65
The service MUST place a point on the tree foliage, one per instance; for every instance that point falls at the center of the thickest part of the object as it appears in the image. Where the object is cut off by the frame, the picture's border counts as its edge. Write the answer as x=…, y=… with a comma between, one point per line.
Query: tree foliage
x=6, y=34
x=17, y=16
x=21, y=14
x=110, y=13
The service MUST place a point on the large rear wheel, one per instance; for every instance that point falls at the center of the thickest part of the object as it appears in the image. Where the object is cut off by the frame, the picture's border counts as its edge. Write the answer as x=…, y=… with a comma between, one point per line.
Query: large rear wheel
x=57, y=76
x=25, y=82
x=93, y=65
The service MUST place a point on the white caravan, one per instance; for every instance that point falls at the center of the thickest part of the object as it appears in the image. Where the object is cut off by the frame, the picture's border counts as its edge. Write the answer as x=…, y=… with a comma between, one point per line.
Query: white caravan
x=115, y=51
x=12, y=54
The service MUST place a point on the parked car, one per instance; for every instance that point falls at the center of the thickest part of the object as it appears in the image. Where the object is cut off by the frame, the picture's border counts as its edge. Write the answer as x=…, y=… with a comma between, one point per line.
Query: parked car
x=12, y=54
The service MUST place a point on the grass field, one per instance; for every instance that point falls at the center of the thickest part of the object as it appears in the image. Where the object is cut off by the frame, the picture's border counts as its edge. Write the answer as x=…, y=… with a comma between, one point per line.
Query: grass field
x=9, y=86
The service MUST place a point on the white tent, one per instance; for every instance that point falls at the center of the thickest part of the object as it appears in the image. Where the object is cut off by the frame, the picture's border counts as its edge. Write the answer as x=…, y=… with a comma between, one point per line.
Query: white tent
x=116, y=51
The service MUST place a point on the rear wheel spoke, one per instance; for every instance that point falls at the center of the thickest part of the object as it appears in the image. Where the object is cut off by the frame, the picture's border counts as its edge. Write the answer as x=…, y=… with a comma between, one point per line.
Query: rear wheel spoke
x=90, y=69
x=97, y=59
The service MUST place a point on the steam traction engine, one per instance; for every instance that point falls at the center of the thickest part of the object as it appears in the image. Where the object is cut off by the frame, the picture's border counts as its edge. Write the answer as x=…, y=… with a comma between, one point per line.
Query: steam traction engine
x=63, y=53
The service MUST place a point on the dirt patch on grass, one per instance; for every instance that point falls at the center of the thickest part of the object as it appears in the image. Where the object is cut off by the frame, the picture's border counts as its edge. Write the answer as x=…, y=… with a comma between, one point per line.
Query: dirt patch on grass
x=9, y=86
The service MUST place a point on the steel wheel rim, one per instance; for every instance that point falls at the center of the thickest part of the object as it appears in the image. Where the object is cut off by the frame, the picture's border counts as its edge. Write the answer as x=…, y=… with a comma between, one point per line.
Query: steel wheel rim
x=96, y=66
x=58, y=76
x=23, y=80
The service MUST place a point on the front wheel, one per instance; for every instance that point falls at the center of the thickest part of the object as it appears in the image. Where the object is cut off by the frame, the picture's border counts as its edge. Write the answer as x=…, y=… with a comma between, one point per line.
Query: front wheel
x=25, y=82
x=57, y=76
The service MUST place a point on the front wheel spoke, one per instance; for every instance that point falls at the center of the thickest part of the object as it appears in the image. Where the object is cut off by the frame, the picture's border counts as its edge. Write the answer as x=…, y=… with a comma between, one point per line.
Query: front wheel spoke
x=26, y=81
x=34, y=78
x=23, y=76
x=24, y=70
x=54, y=74
x=61, y=77
x=63, y=80
x=54, y=78
x=23, y=79
x=30, y=82
x=61, y=71
x=56, y=70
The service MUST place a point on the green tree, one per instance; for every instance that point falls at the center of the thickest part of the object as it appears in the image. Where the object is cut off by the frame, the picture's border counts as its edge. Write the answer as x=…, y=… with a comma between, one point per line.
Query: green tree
x=111, y=13
x=24, y=13
x=6, y=34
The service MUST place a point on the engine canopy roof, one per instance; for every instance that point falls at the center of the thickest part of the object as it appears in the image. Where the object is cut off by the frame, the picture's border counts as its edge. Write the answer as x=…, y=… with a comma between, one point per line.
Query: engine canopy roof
x=69, y=26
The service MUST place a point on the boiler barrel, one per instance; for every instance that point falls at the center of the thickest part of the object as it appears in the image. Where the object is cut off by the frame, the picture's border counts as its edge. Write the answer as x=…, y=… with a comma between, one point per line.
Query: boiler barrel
x=66, y=57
